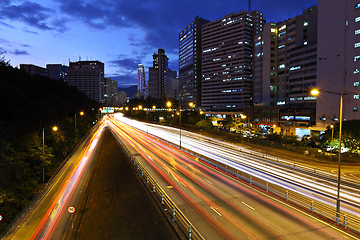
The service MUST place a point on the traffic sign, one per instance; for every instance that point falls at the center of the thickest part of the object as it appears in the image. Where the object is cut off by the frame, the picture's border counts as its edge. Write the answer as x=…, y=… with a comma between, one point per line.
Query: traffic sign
x=71, y=209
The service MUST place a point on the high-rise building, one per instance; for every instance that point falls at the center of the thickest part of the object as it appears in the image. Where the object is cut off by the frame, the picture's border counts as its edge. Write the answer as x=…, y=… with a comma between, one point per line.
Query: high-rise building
x=338, y=61
x=141, y=87
x=88, y=77
x=227, y=61
x=285, y=63
x=157, y=75
x=110, y=92
x=33, y=69
x=57, y=71
x=190, y=62
x=172, y=84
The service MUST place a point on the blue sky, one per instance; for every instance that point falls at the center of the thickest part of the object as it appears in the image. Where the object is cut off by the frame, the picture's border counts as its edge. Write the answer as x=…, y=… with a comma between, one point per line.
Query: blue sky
x=120, y=33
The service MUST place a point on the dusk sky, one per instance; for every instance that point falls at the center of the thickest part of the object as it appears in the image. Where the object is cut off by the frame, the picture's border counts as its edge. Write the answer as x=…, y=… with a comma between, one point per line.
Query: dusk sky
x=119, y=33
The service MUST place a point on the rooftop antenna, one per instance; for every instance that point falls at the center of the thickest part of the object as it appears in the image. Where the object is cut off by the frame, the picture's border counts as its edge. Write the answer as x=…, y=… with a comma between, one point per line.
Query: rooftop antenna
x=249, y=5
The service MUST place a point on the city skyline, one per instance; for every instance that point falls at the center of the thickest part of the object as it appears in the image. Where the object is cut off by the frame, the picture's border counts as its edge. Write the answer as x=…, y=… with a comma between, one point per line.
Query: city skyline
x=116, y=33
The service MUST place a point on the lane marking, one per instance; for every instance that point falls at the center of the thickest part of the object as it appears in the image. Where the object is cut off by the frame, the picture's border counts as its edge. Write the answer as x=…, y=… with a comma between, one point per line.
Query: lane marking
x=215, y=211
x=169, y=186
x=248, y=206
x=208, y=181
x=183, y=184
x=185, y=166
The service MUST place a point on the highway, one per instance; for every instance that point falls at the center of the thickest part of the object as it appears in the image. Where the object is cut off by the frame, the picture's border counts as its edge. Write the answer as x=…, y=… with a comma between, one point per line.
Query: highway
x=219, y=206
x=50, y=218
x=305, y=183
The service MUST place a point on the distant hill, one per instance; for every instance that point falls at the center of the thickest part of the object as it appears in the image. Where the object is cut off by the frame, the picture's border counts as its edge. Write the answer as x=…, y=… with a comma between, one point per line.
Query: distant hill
x=130, y=91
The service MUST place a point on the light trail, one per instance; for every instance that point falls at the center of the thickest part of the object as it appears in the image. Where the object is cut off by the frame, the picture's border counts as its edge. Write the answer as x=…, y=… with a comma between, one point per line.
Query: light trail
x=207, y=189
x=227, y=154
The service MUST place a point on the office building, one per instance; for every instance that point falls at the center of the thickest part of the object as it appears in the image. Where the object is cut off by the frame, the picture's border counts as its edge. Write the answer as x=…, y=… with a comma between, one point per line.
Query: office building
x=88, y=77
x=157, y=75
x=57, y=71
x=33, y=69
x=172, y=84
x=338, y=61
x=141, y=87
x=111, y=96
x=190, y=63
x=227, y=61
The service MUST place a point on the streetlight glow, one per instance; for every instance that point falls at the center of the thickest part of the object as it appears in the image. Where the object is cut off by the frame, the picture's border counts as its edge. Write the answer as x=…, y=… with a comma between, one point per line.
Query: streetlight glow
x=154, y=107
x=55, y=128
x=191, y=104
x=315, y=92
x=81, y=113
x=168, y=104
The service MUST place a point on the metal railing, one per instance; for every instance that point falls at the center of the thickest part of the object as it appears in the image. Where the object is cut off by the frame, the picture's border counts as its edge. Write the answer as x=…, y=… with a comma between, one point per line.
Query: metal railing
x=184, y=228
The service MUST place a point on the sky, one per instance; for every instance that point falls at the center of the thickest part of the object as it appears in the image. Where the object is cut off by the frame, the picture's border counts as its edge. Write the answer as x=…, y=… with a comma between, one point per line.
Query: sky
x=119, y=33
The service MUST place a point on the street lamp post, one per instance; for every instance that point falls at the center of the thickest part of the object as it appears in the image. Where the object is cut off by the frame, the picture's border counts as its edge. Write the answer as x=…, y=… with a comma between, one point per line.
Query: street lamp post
x=81, y=114
x=316, y=92
x=332, y=137
x=55, y=128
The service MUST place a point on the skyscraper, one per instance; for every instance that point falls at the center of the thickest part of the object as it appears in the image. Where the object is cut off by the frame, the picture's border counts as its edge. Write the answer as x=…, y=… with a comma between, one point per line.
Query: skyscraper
x=141, y=87
x=88, y=77
x=57, y=71
x=190, y=62
x=338, y=61
x=157, y=75
x=227, y=61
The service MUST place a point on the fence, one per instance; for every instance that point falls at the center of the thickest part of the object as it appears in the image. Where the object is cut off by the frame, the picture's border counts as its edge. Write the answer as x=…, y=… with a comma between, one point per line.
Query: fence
x=181, y=224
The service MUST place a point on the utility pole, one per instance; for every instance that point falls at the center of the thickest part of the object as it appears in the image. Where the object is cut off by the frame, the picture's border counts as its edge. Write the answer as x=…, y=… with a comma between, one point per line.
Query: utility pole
x=249, y=5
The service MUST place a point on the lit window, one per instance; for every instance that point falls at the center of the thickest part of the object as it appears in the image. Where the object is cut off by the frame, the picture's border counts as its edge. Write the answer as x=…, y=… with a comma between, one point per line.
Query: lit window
x=273, y=30
x=356, y=96
x=357, y=6
x=305, y=43
x=282, y=27
x=305, y=24
x=355, y=109
x=282, y=66
x=357, y=45
x=357, y=32
x=356, y=71
x=356, y=84
x=357, y=19
x=356, y=58
x=281, y=46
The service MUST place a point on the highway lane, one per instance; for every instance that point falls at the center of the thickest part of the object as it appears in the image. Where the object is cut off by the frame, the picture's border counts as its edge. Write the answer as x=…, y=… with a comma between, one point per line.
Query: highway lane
x=44, y=220
x=218, y=206
x=252, y=163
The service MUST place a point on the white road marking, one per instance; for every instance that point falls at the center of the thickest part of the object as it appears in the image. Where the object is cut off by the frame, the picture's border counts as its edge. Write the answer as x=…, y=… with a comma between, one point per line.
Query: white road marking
x=183, y=184
x=185, y=166
x=248, y=206
x=215, y=211
x=208, y=181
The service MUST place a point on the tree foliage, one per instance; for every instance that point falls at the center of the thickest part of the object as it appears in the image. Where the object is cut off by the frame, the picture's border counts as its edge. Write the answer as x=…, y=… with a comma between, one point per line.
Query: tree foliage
x=31, y=104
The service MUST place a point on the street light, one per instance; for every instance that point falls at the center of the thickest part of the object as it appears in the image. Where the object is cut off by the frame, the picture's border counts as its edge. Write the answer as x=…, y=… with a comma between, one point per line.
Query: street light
x=316, y=92
x=332, y=136
x=54, y=128
x=81, y=114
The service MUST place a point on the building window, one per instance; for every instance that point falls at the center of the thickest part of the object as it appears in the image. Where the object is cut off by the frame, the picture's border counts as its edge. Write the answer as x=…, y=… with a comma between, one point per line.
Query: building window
x=355, y=109
x=356, y=84
x=356, y=96
x=357, y=6
x=357, y=45
x=357, y=32
x=357, y=19
x=356, y=71
x=356, y=58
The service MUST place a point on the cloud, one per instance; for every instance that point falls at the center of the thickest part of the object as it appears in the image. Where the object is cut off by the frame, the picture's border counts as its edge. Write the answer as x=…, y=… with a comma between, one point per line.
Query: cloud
x=29, y=31
x=125, y=62
x=32, y=14
x=125, y=80
x=19, y=52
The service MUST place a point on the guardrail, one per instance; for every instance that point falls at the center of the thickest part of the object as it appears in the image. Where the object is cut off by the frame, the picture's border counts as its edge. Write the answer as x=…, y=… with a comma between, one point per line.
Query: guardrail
x=181, y=224
x=349, y=222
